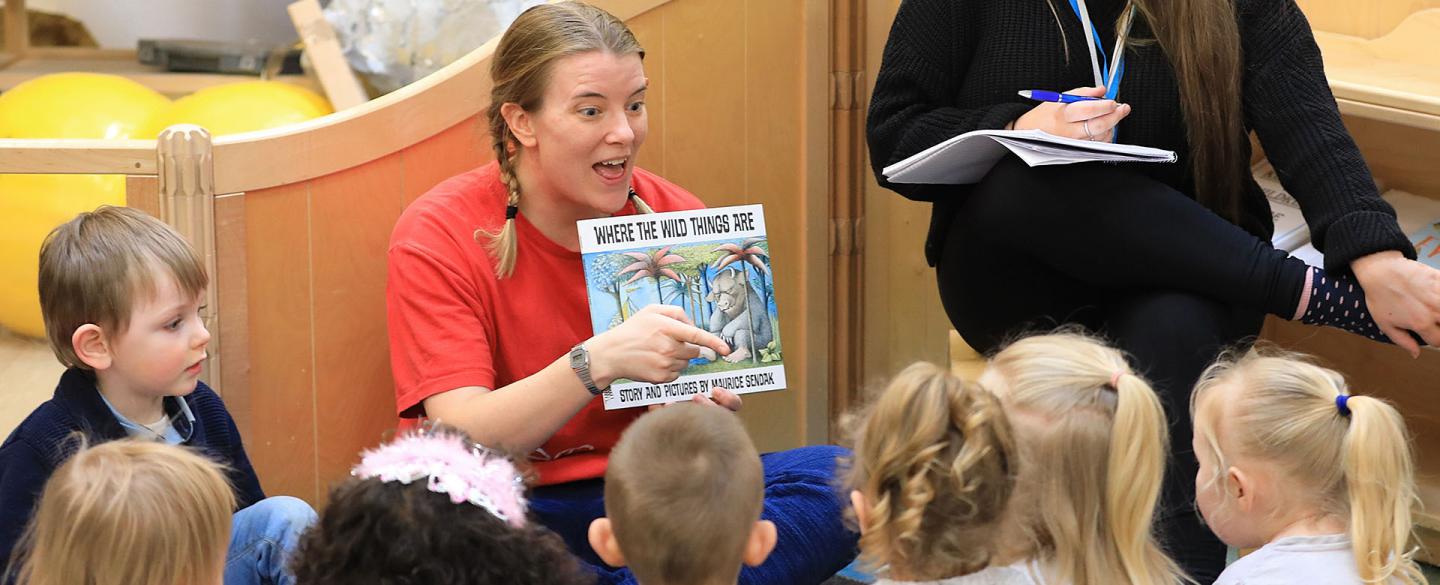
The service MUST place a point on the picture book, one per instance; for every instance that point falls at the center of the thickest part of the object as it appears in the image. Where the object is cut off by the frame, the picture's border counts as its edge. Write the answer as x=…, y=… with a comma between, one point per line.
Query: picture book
x=1416, y=215
x=1427, y=244
x=713, y=264
x=1291, y=231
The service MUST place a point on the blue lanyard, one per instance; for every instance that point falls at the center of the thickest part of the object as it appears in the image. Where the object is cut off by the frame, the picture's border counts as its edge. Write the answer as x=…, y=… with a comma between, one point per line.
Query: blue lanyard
x=1113, y=88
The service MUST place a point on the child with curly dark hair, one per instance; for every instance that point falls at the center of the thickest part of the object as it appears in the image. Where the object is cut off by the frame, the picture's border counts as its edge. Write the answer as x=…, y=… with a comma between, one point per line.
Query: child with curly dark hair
x=432, y=508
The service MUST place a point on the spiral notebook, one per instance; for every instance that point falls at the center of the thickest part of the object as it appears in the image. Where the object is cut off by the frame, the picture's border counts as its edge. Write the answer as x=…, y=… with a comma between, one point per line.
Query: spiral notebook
x=966, y=158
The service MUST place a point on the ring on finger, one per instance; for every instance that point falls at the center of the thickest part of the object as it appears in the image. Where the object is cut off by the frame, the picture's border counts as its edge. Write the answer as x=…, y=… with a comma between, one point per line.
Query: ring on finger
x=1086, y=125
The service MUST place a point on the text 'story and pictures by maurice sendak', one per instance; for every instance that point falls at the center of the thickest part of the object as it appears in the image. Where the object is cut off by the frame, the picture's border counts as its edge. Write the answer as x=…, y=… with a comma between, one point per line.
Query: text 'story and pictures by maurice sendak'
x=713, y=264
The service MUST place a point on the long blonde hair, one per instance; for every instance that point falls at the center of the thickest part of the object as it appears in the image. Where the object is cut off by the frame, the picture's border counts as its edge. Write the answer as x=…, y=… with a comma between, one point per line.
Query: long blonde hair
x=934, y=459
x=130, y=512
x=520, y=70
x=1093, y=441
x=1358, y=465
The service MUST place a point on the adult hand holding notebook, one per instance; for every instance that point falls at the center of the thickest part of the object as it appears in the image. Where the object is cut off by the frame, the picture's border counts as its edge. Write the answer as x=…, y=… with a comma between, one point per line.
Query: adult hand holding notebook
x=966, y=158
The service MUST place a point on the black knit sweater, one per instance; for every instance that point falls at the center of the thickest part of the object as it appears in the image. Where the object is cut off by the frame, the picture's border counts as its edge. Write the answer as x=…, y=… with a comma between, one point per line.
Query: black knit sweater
x=952, y=66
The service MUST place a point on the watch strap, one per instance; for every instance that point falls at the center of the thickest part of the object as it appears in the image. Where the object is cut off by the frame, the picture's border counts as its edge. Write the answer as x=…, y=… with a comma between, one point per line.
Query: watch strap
x=580, y=363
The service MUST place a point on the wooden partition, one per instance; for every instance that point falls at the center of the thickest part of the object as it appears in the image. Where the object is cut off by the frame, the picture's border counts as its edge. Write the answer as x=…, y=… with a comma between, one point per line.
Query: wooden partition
x=901, y=313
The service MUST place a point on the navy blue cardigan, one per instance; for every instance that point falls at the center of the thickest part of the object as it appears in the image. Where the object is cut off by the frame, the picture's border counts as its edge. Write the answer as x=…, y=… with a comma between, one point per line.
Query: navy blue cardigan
x=44, y=440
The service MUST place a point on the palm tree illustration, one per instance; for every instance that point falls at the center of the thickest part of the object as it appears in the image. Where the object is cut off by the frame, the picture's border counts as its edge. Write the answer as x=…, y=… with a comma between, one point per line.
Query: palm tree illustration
x=748, y=252
x=654, y=266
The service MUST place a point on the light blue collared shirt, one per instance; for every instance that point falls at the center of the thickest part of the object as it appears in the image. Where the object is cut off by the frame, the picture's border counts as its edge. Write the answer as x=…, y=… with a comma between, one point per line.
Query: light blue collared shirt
x=172, y=434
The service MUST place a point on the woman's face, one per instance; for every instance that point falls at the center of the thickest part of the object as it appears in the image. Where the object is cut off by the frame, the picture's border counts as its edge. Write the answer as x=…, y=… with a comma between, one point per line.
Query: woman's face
x=581, y=144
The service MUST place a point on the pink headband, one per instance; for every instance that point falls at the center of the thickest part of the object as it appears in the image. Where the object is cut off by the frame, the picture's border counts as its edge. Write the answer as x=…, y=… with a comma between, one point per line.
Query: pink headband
x=466, y=473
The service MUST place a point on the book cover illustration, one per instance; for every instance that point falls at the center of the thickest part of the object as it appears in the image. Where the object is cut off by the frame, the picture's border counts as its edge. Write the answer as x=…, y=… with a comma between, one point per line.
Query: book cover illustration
x=1427, y=244
x=1291, y=231
x=713, y=264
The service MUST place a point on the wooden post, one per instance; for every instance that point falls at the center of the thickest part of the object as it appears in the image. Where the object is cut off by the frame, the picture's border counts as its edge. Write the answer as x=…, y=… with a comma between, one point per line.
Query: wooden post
x=847, y=140
x=17, y=29
x=339, y=81
x=186, y=168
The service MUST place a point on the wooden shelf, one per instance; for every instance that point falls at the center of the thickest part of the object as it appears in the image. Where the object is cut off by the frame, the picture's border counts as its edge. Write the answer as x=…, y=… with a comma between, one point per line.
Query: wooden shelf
x=20, y=61
x=1393, y=78
x=36, y=63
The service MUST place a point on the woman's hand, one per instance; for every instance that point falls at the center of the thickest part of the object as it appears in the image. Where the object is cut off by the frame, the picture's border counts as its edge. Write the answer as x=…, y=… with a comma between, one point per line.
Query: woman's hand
x=718, y=397
x=1087, y=120
x=654, y=345
x=1403, y=295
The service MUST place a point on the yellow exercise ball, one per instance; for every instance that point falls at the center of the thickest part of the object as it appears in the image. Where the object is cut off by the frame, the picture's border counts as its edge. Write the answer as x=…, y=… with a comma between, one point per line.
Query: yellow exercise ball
x=30, y=207
x=244, y=107
x=62, y=105
x=79, y=105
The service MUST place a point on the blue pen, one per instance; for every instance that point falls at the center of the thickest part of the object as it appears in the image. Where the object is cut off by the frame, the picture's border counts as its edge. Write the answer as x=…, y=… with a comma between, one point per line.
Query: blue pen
x=1041, y=95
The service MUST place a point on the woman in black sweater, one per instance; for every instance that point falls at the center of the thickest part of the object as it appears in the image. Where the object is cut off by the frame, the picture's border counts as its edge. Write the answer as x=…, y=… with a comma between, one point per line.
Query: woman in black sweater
x=1172, y=261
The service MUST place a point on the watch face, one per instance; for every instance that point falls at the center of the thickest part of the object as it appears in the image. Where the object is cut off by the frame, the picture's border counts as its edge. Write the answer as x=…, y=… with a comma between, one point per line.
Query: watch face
x=578, y=357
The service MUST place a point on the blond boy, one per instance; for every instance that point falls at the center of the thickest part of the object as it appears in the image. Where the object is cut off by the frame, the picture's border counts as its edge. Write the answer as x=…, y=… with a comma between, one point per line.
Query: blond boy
x=683, y=494
x=120, y=293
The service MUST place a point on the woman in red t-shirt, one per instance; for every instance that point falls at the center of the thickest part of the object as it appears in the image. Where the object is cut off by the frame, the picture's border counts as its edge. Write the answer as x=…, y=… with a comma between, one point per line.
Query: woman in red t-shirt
x=488, y=318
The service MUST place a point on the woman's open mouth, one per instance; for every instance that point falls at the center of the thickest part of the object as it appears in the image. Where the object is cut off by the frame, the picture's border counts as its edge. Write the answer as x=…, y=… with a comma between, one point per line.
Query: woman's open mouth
x=612, y=170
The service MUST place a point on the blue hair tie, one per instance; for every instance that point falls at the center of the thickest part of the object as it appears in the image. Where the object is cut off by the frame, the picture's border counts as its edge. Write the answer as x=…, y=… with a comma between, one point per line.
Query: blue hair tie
x=1340, y=401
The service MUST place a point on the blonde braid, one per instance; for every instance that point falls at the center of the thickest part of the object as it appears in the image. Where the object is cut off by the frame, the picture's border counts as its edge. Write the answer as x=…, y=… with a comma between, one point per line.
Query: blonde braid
x=640, y=205
x=520, y=71
x=502, y=244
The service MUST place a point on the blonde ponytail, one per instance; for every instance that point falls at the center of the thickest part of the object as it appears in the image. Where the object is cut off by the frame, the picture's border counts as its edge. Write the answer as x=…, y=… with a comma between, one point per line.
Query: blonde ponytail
x=933, y=459
x=1351, y=452
x=1134, y=472
x=1379, y=476
x=1092, y=451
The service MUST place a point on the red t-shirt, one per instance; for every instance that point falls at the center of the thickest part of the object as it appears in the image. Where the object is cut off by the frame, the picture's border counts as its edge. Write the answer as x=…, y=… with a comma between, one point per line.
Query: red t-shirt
x=453, y=323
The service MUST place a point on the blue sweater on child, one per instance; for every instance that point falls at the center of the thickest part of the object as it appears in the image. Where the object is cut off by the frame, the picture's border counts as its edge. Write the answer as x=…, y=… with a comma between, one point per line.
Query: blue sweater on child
x=44, y=440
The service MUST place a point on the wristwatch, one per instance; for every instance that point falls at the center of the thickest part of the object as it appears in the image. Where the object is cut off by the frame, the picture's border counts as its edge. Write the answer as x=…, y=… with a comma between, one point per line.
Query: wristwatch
x=580, y=362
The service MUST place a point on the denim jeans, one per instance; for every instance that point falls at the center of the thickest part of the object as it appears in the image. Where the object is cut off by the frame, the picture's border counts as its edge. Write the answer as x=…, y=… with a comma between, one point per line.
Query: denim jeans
x=262, y=537
x=800, y=498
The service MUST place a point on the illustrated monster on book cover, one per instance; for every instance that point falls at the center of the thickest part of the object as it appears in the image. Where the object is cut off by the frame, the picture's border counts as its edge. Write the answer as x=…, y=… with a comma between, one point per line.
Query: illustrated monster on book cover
x=723, y=286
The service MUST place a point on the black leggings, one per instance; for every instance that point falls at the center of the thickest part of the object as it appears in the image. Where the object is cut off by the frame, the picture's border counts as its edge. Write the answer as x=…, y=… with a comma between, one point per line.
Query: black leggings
x=1165, y=279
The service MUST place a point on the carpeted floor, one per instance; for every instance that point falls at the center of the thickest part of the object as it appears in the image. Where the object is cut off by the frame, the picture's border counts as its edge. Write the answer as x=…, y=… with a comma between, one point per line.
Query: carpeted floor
x=28, y=373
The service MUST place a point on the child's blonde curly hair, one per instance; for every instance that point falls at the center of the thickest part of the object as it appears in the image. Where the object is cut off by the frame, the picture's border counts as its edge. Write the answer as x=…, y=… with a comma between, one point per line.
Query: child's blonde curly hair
x=933, y=460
